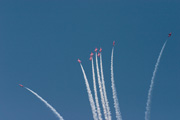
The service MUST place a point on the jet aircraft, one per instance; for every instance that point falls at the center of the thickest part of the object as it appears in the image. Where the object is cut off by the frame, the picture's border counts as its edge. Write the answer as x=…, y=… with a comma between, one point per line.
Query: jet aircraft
x=169, y=34
x=91, y=54
x=113, y=43
x=100, y=50
x=99, y=54
x=79, y=60
x=21, y=85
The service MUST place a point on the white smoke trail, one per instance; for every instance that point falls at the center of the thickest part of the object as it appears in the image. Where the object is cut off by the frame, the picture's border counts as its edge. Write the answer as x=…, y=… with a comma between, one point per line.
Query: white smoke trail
x=47, y=104
x=147, y=112
x=95, y=92
x=100, y=89
x=93, y=107
x=116, y=103
x=104, y=90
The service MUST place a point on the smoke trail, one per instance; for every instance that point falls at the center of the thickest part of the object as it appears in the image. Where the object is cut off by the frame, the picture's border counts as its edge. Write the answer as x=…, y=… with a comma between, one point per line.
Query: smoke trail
x=147, y=112
x=95, y=92
x=104, y=90
x=116, y=103
x=47, y=104
x=100, y=89
x=93, y=107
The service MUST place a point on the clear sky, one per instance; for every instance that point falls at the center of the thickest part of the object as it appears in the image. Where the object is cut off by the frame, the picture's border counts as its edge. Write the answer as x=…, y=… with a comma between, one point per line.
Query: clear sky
x=41, y=40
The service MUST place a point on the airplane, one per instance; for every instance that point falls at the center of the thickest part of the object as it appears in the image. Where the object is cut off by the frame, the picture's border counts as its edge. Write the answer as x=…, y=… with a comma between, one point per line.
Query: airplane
x=79, y=60
x=91, y=54
x=113, y=43
x=169, y=34
x=96, y=50
x=90, y=58
x=21, y=85
x=99, y=54
x=100, y=50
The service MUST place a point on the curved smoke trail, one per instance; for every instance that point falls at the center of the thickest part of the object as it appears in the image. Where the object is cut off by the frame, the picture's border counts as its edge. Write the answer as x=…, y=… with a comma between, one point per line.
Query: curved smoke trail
x=93, y=107
x=100, y=89
x=47, y=104
x=95, y=92
x=116, y=103
x=104, y=90
x=147, y=112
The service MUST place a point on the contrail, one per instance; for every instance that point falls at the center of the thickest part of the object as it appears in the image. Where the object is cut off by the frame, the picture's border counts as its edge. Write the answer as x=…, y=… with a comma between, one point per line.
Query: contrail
x=104, y=90
x=93, y=107
x=147, y=112
x=116, y=103
x=95, y=92
x=47, y=104
x=100, y=89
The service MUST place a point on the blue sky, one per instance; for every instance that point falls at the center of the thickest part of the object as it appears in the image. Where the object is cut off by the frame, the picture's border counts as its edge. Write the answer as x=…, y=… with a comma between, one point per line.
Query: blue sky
x=40, y=42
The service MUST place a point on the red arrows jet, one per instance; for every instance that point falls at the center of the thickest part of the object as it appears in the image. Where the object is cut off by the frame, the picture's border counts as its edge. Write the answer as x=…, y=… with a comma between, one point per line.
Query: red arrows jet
x=100, y=50
x=21, y=85
x=169, y=34
x=90, y=58
x=96, y=50
x=79, y=60
x=113, y=43
x=91, y=54
x=99, y=54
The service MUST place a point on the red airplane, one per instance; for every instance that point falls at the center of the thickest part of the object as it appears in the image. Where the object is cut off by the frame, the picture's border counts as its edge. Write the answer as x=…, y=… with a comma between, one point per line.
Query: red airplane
x=113, y=43
x=96, y=50
x=79, y=60
x=99, y=54
x=91, y=54
x=100, y=50
x=90, y=58
x=21, y=85
x=169, y=34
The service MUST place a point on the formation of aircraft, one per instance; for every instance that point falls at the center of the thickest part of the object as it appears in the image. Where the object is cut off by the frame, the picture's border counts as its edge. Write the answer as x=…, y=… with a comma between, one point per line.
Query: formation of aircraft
x=169, y=34
x=21, y=85
x=99, y=53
